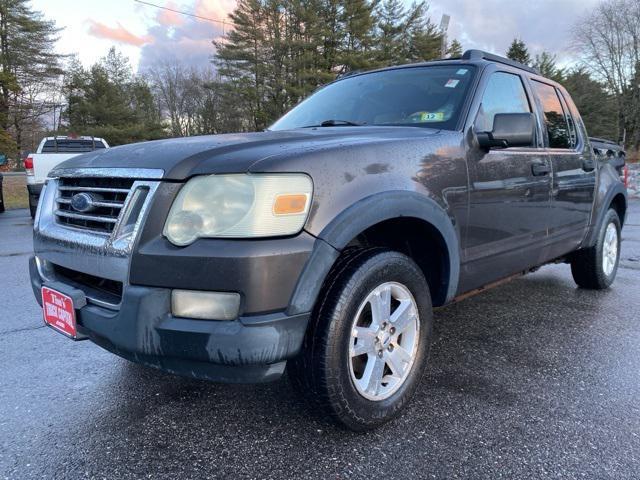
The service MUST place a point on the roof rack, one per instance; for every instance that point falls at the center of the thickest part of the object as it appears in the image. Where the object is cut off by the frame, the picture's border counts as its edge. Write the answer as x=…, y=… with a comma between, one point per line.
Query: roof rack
x=480, y=55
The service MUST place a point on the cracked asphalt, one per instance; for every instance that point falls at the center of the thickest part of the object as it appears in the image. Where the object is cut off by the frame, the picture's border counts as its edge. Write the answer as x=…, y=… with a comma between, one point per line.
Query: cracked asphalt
x=533, y=379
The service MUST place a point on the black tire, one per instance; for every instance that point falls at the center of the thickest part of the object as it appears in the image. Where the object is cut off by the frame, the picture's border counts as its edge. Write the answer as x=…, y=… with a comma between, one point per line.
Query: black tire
x=1, y=197
x=587, y=265
x=322, y=372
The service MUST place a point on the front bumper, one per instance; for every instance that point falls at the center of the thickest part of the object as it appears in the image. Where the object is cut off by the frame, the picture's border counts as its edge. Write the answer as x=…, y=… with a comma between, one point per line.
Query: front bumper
x=247, y=350
x=128, y=297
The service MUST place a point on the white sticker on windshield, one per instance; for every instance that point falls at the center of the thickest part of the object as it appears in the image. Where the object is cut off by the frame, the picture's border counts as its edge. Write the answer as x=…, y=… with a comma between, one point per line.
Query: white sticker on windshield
x=462, y=71
x=452, y=83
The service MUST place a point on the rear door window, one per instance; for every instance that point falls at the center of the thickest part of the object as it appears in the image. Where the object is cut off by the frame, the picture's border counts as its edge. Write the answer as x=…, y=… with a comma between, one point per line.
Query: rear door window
x=558, y=128
x=504, y=94
x=573, y=128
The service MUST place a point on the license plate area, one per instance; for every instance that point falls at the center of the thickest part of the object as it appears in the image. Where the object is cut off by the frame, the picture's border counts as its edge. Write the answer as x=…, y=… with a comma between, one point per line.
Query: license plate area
x=59, y=312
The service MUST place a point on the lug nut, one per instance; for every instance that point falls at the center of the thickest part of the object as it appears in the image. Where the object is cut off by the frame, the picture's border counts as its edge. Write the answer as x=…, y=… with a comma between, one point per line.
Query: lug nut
x=380, y=353
x=392, y=330
x=390, y=348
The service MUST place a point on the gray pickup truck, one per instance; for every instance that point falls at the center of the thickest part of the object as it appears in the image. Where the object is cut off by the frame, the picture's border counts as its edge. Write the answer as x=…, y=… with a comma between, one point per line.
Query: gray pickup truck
x=323, y=243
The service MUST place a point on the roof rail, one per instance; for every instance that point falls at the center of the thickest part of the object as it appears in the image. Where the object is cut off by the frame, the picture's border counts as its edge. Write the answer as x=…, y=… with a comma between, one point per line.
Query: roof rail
x=350, y=73
x=480, y=55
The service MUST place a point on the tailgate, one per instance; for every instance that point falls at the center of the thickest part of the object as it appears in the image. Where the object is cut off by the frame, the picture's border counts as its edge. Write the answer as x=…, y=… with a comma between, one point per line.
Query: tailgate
x=44, y=162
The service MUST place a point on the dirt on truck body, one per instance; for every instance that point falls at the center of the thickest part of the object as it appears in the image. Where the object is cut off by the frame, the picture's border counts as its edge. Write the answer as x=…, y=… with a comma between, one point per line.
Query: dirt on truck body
x=323, y=244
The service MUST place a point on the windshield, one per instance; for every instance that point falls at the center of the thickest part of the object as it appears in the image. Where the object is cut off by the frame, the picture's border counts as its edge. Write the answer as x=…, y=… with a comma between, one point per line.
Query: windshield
x=417, y=96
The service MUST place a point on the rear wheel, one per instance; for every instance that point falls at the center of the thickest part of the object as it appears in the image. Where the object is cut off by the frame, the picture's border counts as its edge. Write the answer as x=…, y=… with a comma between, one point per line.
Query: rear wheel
x=596, y=267
x=367, y=344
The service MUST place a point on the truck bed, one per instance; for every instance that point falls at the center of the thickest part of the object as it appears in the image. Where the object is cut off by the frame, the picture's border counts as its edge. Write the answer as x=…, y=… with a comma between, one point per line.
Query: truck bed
x=609, y=151
x=43, y=163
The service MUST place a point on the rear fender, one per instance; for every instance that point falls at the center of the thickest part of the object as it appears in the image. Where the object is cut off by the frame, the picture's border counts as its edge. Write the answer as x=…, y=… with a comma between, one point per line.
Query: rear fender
x=609, y=186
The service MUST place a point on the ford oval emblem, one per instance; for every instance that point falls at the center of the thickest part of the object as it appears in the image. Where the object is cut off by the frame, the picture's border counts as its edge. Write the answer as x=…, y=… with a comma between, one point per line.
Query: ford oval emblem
x=82, y=202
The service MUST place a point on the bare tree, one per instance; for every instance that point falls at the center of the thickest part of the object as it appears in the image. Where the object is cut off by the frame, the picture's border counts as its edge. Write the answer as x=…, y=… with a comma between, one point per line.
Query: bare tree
x=609, y=42
x=168, y=80
x=32, y=111
x=194, y=101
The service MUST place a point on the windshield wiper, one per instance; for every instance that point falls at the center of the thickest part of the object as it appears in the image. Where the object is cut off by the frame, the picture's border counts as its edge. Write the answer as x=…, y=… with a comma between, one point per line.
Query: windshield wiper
x=337, y=123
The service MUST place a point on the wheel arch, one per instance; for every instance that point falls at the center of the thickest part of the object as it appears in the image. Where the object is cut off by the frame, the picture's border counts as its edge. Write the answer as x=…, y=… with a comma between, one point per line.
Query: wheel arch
x=386, y=219
x=616, y=198
x=619, y=204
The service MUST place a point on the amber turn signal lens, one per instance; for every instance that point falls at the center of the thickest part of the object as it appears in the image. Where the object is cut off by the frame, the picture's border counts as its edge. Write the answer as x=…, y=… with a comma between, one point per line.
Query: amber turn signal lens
x=289, y=204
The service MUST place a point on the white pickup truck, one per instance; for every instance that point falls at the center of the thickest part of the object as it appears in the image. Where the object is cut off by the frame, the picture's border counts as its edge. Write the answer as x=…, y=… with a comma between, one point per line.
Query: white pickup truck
x=51, y=152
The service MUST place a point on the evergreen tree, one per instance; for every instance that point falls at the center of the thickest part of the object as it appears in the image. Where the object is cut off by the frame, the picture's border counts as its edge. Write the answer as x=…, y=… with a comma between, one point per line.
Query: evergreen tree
x=597, y=106
x=74, y=86
x=117, y=67
x=357, y=24
x=454, y=50
x=108, y=101
x=279, y=51
x=405, y=35
x=312, y=37
x=545, y=63
x=242, y=60
x=27, y=58
x=518, y=51
x=426, y=38
x=392, y=36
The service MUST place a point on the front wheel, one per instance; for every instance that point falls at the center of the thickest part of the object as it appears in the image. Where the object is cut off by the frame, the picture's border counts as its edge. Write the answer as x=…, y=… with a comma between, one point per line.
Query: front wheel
x=33, y=205
x=596, y=267
x=367, y=344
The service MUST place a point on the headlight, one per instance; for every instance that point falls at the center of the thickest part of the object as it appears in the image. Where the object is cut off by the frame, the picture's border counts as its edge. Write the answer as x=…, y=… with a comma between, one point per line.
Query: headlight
x=239, y=206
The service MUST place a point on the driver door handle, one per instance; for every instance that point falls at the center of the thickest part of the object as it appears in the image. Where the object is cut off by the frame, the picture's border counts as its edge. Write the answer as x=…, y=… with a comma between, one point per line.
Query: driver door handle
x=539, y=168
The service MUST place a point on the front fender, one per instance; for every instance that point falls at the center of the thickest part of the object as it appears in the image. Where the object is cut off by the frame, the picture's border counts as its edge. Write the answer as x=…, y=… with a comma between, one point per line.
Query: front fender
x=357, y=218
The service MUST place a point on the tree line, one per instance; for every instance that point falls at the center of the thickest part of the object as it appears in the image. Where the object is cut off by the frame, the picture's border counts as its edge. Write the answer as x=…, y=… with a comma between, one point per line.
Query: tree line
x=278, y=52
x=595, y=101
x=282, y=50
x=29, y=71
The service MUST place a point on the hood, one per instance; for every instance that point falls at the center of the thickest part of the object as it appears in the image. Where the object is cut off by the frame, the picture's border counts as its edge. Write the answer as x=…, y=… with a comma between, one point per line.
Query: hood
x=180, y=158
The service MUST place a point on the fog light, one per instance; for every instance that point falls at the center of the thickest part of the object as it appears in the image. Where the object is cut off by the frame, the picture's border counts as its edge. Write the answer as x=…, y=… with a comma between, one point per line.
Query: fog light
x=205, y=305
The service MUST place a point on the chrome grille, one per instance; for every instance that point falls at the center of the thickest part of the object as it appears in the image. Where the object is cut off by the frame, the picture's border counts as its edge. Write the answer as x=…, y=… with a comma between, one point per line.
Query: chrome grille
x=108, y=198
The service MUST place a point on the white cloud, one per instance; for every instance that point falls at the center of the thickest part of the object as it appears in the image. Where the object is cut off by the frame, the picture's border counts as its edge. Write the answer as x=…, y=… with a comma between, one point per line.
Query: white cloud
x=75, y=19
x=183, y=37
x=147, y=34
x=492, y=24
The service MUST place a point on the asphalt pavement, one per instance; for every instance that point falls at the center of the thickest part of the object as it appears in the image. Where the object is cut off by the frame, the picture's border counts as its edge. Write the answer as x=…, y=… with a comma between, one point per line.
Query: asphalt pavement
x=533, y=379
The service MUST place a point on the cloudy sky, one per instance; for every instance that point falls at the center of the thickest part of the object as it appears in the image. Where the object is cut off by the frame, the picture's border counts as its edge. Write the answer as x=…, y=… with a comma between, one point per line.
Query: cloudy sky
x=147, y=34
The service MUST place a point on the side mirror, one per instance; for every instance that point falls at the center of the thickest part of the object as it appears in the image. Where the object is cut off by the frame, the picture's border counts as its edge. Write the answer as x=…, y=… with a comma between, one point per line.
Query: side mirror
x=509, y=130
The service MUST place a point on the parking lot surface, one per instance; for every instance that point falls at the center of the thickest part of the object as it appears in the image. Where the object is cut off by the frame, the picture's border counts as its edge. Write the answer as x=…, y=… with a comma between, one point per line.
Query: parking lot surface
x=532, y=379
